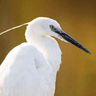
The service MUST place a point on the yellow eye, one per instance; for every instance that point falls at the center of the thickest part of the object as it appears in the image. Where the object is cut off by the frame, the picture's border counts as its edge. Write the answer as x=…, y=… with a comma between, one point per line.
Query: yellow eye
x=52, y=27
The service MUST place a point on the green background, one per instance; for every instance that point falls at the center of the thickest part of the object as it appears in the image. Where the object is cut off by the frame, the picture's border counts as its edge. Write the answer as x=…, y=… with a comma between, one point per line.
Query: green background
x=77, y=74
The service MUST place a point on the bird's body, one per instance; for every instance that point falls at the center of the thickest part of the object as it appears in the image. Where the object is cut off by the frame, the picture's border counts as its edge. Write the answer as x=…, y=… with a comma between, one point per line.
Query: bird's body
x=21, y=75
x=30, y=68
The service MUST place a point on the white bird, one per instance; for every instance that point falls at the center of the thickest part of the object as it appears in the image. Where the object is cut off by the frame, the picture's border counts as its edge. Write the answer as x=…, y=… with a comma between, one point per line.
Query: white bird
x=30, y=68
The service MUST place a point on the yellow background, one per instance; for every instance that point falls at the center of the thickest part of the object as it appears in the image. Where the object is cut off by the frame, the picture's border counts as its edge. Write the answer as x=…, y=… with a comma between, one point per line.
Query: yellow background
x=77, y=75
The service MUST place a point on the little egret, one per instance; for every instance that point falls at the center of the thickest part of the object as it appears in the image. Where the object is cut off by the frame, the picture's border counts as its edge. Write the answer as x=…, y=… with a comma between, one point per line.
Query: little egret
x=30, y=68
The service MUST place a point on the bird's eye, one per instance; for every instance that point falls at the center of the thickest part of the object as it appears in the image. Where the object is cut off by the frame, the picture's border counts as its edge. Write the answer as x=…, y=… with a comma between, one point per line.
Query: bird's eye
x=52, y=27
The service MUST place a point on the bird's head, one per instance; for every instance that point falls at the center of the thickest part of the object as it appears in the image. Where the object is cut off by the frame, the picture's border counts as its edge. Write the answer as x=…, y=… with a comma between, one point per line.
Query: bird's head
x=46, y=26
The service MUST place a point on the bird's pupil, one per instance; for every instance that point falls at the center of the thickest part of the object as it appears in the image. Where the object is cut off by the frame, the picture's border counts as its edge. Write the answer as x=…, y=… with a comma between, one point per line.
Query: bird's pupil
x=51, y=26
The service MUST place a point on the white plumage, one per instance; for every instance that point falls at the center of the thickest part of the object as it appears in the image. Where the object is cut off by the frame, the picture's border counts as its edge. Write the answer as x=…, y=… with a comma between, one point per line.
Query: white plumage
x=30, y=68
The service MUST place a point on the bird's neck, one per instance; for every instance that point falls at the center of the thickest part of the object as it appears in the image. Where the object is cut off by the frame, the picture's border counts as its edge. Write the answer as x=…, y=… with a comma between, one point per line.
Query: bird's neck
x=49, y=47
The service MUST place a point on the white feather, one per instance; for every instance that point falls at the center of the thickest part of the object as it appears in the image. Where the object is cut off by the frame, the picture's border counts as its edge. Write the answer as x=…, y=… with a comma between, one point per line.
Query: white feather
x=30, y=68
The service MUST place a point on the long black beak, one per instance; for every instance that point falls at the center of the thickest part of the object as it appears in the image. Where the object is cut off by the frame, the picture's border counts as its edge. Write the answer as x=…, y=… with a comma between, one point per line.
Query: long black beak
x=70, y=39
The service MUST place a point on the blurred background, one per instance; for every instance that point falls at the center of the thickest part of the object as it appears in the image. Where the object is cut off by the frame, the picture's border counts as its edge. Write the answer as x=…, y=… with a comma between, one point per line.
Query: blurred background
x=77, y=74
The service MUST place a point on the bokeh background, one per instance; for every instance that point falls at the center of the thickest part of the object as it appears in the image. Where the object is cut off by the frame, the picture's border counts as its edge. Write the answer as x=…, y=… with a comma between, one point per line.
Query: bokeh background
x=77, y=75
